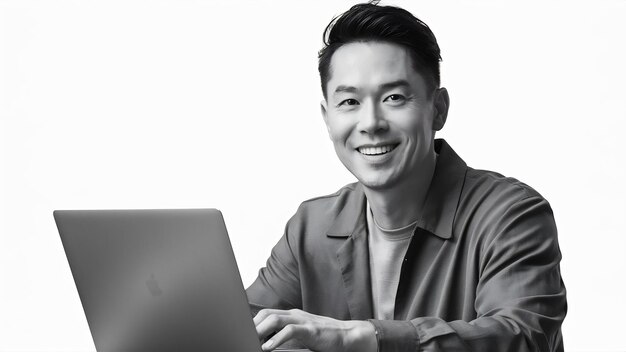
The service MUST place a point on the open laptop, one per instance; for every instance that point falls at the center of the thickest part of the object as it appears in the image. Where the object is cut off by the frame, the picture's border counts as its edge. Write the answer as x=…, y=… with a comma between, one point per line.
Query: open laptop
x=158, y=280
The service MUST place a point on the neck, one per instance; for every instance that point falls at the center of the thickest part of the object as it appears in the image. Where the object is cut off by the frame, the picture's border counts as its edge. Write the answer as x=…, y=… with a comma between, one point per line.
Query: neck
x=402, y=203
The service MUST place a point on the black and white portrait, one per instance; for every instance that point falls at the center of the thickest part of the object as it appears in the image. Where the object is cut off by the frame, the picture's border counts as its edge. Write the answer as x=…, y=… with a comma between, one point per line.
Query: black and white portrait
x=174, y=104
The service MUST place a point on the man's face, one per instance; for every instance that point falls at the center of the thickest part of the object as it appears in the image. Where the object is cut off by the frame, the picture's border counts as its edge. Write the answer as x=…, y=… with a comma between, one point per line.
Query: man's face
x=380, y=114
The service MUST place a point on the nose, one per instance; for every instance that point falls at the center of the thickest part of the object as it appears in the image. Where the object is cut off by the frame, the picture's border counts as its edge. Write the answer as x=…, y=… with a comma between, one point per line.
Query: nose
x=372, y=119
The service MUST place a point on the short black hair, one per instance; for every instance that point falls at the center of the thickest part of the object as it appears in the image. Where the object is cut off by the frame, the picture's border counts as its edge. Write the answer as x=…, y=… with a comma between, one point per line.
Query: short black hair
x=372, y=22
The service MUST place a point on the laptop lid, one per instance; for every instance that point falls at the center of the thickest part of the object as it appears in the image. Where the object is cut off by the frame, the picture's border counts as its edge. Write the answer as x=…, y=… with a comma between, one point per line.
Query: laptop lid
x=157, y=280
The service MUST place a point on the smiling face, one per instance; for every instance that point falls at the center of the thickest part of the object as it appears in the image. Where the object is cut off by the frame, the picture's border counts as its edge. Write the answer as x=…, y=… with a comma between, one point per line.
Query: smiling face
x=380, y=114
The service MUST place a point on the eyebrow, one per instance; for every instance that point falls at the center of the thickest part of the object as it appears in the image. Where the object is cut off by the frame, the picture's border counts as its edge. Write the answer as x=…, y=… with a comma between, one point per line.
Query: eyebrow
x=385, y=86
x=395, y=84
x=345, y=89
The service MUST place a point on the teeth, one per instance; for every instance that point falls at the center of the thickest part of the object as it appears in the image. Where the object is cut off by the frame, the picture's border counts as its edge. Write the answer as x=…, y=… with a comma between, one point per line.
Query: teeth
x=376, y=150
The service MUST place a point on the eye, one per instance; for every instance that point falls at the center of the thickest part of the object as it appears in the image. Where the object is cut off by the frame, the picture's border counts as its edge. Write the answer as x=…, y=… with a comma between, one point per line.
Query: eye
x=349, y=102
x=395, y=98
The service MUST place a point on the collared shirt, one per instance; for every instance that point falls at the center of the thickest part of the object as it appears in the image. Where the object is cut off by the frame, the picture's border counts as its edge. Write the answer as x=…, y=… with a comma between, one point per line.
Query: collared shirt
x=480, y=274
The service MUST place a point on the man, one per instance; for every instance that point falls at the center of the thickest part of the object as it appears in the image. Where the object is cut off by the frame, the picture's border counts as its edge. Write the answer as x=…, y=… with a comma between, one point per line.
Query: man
x=423, y=252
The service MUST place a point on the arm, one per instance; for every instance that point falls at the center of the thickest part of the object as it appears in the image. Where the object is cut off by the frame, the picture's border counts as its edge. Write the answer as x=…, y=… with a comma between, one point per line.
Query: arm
x=278, y=283
x=276, y=302
x=520, y=298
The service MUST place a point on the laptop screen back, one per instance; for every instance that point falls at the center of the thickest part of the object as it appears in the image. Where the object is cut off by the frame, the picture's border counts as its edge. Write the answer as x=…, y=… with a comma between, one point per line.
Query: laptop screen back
x=157, y=280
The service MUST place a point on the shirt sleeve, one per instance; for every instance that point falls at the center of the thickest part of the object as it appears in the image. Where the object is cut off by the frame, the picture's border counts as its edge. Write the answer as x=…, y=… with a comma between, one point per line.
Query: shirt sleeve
x=277, y=285
x=520, y=298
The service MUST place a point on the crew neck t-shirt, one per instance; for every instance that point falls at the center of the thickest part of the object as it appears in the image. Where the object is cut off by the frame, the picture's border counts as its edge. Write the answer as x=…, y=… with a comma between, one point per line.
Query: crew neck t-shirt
x=387, y=249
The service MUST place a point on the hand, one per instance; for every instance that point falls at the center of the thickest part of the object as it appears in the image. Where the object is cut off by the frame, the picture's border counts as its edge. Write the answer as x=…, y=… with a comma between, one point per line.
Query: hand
x=314, y=331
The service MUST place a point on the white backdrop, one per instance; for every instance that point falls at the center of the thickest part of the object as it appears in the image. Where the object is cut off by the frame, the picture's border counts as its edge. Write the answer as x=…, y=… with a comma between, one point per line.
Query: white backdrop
x=183, y=103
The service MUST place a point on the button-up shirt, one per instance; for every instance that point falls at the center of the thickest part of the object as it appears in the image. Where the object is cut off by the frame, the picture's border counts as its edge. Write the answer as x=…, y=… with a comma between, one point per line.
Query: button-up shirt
x=481, y=272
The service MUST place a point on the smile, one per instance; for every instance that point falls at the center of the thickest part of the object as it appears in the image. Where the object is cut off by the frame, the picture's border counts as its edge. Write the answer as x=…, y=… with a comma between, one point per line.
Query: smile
x=377, y=150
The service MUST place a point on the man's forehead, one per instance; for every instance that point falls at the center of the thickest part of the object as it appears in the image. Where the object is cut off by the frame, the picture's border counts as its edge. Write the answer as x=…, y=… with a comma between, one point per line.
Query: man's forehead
x=369, y=64
x=358, y=48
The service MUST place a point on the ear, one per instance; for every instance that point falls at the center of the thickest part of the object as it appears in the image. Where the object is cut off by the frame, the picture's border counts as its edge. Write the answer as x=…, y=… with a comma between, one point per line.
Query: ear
x=442, y=104
x=324, y=111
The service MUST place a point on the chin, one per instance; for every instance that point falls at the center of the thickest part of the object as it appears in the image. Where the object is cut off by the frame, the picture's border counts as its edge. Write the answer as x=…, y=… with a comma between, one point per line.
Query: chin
x=376, y=183
x=378, y=179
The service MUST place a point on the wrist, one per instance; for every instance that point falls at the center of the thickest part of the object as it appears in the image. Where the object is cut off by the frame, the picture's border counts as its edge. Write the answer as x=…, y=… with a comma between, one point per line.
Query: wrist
x=361, y=337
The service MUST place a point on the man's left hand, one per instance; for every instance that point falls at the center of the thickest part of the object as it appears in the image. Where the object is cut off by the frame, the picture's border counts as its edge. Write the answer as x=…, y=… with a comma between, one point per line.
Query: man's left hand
x=316, y=332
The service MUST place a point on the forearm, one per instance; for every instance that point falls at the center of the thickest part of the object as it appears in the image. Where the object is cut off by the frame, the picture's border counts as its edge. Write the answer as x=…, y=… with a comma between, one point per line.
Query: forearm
x=494, y=333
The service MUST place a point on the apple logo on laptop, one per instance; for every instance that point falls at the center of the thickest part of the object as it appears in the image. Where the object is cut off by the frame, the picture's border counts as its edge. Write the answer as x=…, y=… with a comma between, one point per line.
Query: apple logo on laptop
x=153, y=286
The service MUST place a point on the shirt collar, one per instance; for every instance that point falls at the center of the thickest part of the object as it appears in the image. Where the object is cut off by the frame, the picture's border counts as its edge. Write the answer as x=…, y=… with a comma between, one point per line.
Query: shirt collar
x=440, y=206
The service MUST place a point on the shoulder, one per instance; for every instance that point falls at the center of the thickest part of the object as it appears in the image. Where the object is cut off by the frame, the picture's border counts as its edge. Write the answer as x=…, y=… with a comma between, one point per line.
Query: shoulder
x=489, y=184
x=316, y=215
x=496, y=206
x=333, y=201
x=490, y=199
x=489, y=195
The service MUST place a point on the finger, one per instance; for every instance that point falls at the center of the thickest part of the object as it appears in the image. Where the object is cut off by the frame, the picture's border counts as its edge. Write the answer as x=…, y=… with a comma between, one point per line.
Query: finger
x=276, y=322
x=289, y=332
x=264, y=313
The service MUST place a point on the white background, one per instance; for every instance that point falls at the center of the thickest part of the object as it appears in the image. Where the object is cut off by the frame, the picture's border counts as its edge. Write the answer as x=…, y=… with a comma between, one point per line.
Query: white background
x=181, y=103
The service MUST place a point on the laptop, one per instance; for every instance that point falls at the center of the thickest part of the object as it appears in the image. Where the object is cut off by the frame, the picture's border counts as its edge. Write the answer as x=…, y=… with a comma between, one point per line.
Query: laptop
x=158, y=280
